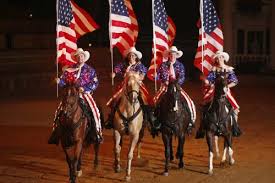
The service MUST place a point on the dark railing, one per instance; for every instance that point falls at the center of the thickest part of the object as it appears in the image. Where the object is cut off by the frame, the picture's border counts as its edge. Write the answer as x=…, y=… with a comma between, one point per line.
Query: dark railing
x=251, y=63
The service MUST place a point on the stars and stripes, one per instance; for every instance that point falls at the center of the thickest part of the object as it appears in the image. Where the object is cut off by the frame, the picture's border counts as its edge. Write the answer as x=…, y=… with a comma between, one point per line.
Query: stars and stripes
x=124, y=26
x=210, y=37
x=72, y=22
x=165, y=32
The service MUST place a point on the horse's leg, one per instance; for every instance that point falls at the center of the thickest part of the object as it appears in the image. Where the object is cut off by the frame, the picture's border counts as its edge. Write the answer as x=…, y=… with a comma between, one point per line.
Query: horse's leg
x=224, y=152
x=79, y=163
x=141, y=135
x=96, y=149
x=77, y=157
x=133, y=142
x=209, y=139
x=180, y=150
x=217, y=146
x=166, y=141
x=139, y=150
x=117, y=149
x=171, y=148
x=70, y=160
x=228, y=138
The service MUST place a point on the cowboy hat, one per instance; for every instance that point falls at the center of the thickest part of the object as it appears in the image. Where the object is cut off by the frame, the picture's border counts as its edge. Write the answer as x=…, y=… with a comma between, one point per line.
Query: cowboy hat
x=81, y=51
x=221, y=53
x=133, y=50
x=173, y=49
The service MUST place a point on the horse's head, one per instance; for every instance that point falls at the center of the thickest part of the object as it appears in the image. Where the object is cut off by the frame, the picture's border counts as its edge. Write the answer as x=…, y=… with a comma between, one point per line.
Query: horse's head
x=70, y=99
x=173, y=96
x=132, y=85
x=220, y=84
x=173, y=90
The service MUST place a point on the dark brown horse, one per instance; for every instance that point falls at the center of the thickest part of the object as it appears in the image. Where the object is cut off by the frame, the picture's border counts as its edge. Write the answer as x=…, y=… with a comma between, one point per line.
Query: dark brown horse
x=174, y=118
x=218, y=120
x=74, y=131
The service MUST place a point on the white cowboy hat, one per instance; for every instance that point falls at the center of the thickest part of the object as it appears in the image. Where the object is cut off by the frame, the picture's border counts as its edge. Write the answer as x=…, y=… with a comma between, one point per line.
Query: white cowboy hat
x=173, y=49
x=133, y=50
x=81, y=51
x=221, y=53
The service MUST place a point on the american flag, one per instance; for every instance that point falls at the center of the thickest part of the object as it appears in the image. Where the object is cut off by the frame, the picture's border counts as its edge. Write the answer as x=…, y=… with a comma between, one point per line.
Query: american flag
x=210, y=37
x=124, y=26
x=164, y=31
x=72, y=23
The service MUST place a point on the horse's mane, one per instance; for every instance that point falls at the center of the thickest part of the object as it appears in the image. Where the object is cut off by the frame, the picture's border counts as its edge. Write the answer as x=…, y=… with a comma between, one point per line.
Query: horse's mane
x=133, y=75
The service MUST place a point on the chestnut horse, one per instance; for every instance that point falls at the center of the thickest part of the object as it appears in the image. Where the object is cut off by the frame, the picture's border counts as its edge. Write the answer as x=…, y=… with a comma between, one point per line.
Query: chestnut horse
x=74, y=131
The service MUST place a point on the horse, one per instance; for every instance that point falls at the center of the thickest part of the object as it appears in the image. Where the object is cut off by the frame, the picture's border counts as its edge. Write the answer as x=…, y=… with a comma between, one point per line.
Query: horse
x=128, y=120
x=74, y=132
x=174, y=118
x=218, y=121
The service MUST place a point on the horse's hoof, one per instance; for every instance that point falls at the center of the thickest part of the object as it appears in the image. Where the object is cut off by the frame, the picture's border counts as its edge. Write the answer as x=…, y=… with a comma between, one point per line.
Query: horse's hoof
x=171, y=158
x=232, y=162
x=181, y=165
x=79, y=173
x=210, y=172
x=165, y=174
x=117, y=169
x=128, y=178
x=222, y=164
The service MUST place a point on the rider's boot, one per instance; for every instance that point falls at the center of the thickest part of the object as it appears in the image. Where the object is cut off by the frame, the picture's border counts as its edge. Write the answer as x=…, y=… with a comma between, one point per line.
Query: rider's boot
x=236, y=131
x=109, y=122
x=201, y=131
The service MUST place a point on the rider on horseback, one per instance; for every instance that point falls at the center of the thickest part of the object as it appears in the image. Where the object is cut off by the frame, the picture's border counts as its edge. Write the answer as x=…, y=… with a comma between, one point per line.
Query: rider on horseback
x=173, y=70
x=85, y=79
x=132, y=64
x=219, y=59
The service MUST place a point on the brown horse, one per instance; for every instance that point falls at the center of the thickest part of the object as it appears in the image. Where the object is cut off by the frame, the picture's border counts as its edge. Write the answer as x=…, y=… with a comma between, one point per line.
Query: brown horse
x=174, y=118
x=74, y=131
x=128, y=120
x=218, y=120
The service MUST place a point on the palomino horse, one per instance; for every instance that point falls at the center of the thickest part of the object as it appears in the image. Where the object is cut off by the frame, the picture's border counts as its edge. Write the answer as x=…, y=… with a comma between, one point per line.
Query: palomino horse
x=174, y=118
x=218, y=121
x=74, y=132
x=128, y=120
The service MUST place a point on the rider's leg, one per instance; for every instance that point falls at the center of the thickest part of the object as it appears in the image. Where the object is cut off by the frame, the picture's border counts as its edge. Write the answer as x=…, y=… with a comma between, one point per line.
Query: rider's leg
x=93, y=134
x=113, y=104
x=191, y=110
x=149, y=113
x=54, y=138
x=109, y=121
x=236, y=131
x=201, y=131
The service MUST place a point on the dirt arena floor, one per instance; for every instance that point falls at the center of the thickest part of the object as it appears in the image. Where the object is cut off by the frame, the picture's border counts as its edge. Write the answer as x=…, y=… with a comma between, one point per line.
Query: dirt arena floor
x=25, y=156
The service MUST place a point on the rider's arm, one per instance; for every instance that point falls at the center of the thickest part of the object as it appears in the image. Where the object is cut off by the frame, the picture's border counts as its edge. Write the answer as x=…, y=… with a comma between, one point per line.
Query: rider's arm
x=118, y=69
x=181, y=76
x=92, y=83
x=62, y=79
x=142, y=71
x=162, y=73
x=210, y=79
x=232, y=79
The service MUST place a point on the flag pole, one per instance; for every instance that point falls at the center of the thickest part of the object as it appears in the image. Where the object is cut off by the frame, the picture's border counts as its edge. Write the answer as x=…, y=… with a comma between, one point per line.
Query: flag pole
x=57, y=2
x=154, y=47
x=110, y=38
x=202, y=34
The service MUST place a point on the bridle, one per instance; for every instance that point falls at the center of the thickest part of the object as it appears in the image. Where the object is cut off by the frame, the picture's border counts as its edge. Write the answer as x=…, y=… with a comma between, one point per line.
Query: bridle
x=127, y=94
